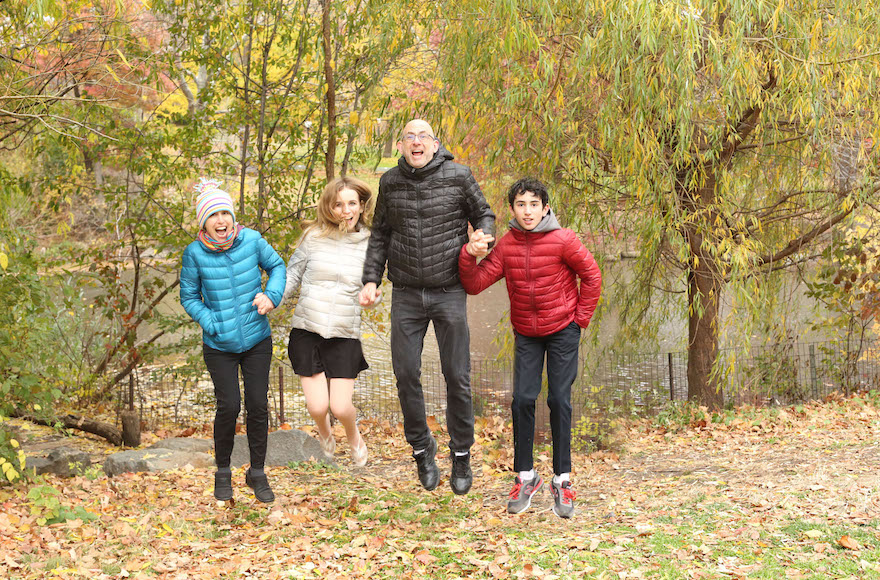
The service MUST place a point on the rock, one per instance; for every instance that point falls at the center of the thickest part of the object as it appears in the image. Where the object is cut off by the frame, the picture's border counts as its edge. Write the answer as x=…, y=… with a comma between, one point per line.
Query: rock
x=38, y=464
x=184, y=444
x=284, y=447
x=154, y=459
x=62, y=461
x=176, y=452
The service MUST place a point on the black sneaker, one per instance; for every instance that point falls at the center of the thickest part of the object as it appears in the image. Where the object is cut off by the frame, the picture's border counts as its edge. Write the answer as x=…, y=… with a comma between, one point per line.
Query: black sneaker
x=462, y=476
x=260, y=485
x=429, y=475
x=223, y=486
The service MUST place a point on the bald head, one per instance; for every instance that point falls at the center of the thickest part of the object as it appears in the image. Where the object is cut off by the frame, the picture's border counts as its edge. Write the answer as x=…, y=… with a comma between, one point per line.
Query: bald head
x=418, y=144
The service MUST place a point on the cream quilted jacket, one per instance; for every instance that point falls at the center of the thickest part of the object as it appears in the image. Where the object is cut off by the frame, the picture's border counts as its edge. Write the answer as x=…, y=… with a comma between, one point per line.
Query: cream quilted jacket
x=327, y=272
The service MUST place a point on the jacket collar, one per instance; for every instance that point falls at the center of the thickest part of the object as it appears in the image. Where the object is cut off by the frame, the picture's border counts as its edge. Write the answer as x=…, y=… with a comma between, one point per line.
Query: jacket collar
x=351, y=237
x=442, y=156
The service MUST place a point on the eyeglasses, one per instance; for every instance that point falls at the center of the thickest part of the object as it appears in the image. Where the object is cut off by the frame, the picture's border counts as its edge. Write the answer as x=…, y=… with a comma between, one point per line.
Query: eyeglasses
x=421, y=137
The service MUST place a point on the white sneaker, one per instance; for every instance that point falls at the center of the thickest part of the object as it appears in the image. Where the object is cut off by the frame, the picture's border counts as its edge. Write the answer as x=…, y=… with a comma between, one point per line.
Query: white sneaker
x=359, y=453
x=328, y=446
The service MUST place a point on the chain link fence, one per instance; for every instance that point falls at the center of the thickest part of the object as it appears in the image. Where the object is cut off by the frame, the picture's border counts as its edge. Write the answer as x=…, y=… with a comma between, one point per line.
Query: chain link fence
x=608, y=387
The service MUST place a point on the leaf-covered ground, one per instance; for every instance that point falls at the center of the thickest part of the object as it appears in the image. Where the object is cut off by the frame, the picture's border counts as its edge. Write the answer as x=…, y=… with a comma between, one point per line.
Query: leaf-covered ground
x=778, y=493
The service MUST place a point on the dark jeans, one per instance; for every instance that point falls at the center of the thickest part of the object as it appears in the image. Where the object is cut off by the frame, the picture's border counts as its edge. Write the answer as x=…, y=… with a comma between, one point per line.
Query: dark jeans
x=561, y=349
x=411, y=310
x=223, y=367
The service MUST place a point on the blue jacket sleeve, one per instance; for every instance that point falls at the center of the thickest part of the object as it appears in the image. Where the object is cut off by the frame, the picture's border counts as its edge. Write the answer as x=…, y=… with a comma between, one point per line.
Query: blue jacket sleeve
x=191, y=294
x=272, y=264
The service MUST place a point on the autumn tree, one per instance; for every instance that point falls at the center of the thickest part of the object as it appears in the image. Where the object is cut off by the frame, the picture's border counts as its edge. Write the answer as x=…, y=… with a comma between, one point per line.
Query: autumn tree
x=726, y=141
x=124, y=104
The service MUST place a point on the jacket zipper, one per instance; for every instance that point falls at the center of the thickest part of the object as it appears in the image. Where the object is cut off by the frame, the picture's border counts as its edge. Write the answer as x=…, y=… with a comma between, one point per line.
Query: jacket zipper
x=235, y=305
x=528, y=240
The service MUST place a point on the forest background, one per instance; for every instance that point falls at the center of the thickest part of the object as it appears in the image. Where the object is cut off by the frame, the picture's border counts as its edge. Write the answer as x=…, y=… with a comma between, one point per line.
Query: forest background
x=731, y=144
x=731, y=147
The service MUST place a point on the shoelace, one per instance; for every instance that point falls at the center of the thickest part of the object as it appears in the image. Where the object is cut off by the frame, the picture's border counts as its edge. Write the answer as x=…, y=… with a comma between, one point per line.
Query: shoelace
x=568, y=493
x=514, y=493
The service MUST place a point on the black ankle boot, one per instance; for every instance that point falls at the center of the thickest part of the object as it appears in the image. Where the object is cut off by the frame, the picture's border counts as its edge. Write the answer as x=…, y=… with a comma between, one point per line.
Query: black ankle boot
x=260, y=485
x=223, y=486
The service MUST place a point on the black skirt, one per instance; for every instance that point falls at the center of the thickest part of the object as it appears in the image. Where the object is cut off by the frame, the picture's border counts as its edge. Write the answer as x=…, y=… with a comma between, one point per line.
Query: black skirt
x=312, y=354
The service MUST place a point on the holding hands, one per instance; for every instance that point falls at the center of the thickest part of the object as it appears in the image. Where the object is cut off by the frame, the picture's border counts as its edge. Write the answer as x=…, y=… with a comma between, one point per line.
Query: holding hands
x=263, y=304
x=478, y=246
x=369, y=294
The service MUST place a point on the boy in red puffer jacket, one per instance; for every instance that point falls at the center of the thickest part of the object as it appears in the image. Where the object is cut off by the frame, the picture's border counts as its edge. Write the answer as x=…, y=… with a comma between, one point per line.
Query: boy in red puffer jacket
x=541, y=262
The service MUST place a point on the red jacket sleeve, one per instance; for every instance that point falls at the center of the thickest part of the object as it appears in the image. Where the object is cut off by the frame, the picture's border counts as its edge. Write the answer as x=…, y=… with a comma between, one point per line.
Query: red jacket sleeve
x=477, y=277
x=581, y=261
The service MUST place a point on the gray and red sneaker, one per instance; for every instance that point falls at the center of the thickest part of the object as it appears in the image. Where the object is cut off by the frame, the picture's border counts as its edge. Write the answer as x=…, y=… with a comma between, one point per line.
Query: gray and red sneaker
x=521, y=494
x=563, y=499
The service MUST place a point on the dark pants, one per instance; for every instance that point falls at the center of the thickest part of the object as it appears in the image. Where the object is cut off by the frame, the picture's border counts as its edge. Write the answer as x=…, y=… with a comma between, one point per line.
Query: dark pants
x=411, y=310
x=561, y=349
x=223, y=367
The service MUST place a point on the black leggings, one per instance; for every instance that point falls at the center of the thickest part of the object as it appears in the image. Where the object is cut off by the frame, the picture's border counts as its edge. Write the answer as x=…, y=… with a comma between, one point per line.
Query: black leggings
x=223, y=367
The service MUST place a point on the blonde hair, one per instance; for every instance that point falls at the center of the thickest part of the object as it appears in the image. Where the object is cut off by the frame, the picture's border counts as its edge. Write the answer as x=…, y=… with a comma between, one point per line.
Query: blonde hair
x=326, y=222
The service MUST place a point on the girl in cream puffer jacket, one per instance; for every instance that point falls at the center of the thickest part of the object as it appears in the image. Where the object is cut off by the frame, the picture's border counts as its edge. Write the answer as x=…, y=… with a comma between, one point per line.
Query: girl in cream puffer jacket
x=325, y=348
x=327, y=269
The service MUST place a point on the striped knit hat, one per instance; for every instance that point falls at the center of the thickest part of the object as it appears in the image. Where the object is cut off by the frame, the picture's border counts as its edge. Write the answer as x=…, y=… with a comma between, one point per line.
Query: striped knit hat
x=211, y=199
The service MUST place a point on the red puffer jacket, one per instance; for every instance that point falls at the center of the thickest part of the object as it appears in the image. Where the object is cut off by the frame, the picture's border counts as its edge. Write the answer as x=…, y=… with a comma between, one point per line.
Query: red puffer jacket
x=541, y=268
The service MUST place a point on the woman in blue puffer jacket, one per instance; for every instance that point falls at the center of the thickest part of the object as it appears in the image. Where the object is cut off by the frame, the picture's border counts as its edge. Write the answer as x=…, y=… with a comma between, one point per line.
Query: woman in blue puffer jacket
x=221, y=288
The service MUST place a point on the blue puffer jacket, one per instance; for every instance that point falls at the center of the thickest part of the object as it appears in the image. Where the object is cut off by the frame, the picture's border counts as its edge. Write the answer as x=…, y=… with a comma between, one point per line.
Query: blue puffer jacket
x=217, y=290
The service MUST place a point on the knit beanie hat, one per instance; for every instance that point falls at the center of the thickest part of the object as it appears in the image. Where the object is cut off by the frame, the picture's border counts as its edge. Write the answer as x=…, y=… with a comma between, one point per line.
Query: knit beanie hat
x=211, y=199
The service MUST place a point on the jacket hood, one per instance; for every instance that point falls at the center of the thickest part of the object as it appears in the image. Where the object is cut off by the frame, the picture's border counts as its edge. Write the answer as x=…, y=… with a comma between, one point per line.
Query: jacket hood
x=440, y=157
x=547, y=224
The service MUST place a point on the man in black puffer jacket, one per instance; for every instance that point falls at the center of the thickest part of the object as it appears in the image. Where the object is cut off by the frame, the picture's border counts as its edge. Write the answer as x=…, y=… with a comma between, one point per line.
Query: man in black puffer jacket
x=421, y=222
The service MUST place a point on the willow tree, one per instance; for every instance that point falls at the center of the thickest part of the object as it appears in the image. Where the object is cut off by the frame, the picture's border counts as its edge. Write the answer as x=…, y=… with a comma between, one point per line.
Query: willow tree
x=727, y=139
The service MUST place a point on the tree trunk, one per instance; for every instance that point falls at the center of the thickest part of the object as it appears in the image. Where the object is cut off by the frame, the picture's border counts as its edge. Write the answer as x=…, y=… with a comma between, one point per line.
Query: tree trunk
x=105, y=430
x=131, y=428
x=330, y=157
x=245, y=95
x=704, y=289
x=705, y=283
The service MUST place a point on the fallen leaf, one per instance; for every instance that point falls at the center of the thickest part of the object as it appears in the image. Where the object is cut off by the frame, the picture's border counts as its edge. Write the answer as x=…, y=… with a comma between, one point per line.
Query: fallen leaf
x=849, y=543
x=425, y=558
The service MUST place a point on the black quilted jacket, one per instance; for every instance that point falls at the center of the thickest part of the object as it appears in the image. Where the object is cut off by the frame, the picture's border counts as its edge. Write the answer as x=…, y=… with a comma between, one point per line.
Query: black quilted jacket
x=421, y=222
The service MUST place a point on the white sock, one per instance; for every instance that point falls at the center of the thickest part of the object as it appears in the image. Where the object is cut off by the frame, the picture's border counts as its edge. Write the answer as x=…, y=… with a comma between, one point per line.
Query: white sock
x=418, y=451
x=558, y=479
x=462, y=453
x=527, y=475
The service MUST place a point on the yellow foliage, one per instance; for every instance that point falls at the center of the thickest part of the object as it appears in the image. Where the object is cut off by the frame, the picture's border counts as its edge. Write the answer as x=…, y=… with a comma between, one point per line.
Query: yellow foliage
x=8, y=470
x=175, y=103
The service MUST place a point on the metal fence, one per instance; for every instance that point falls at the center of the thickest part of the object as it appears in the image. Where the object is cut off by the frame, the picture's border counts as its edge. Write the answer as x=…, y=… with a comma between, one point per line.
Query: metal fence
x=607, y=387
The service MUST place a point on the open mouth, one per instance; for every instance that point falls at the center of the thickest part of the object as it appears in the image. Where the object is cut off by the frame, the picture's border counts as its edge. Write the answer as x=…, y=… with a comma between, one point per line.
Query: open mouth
x=220, y=232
